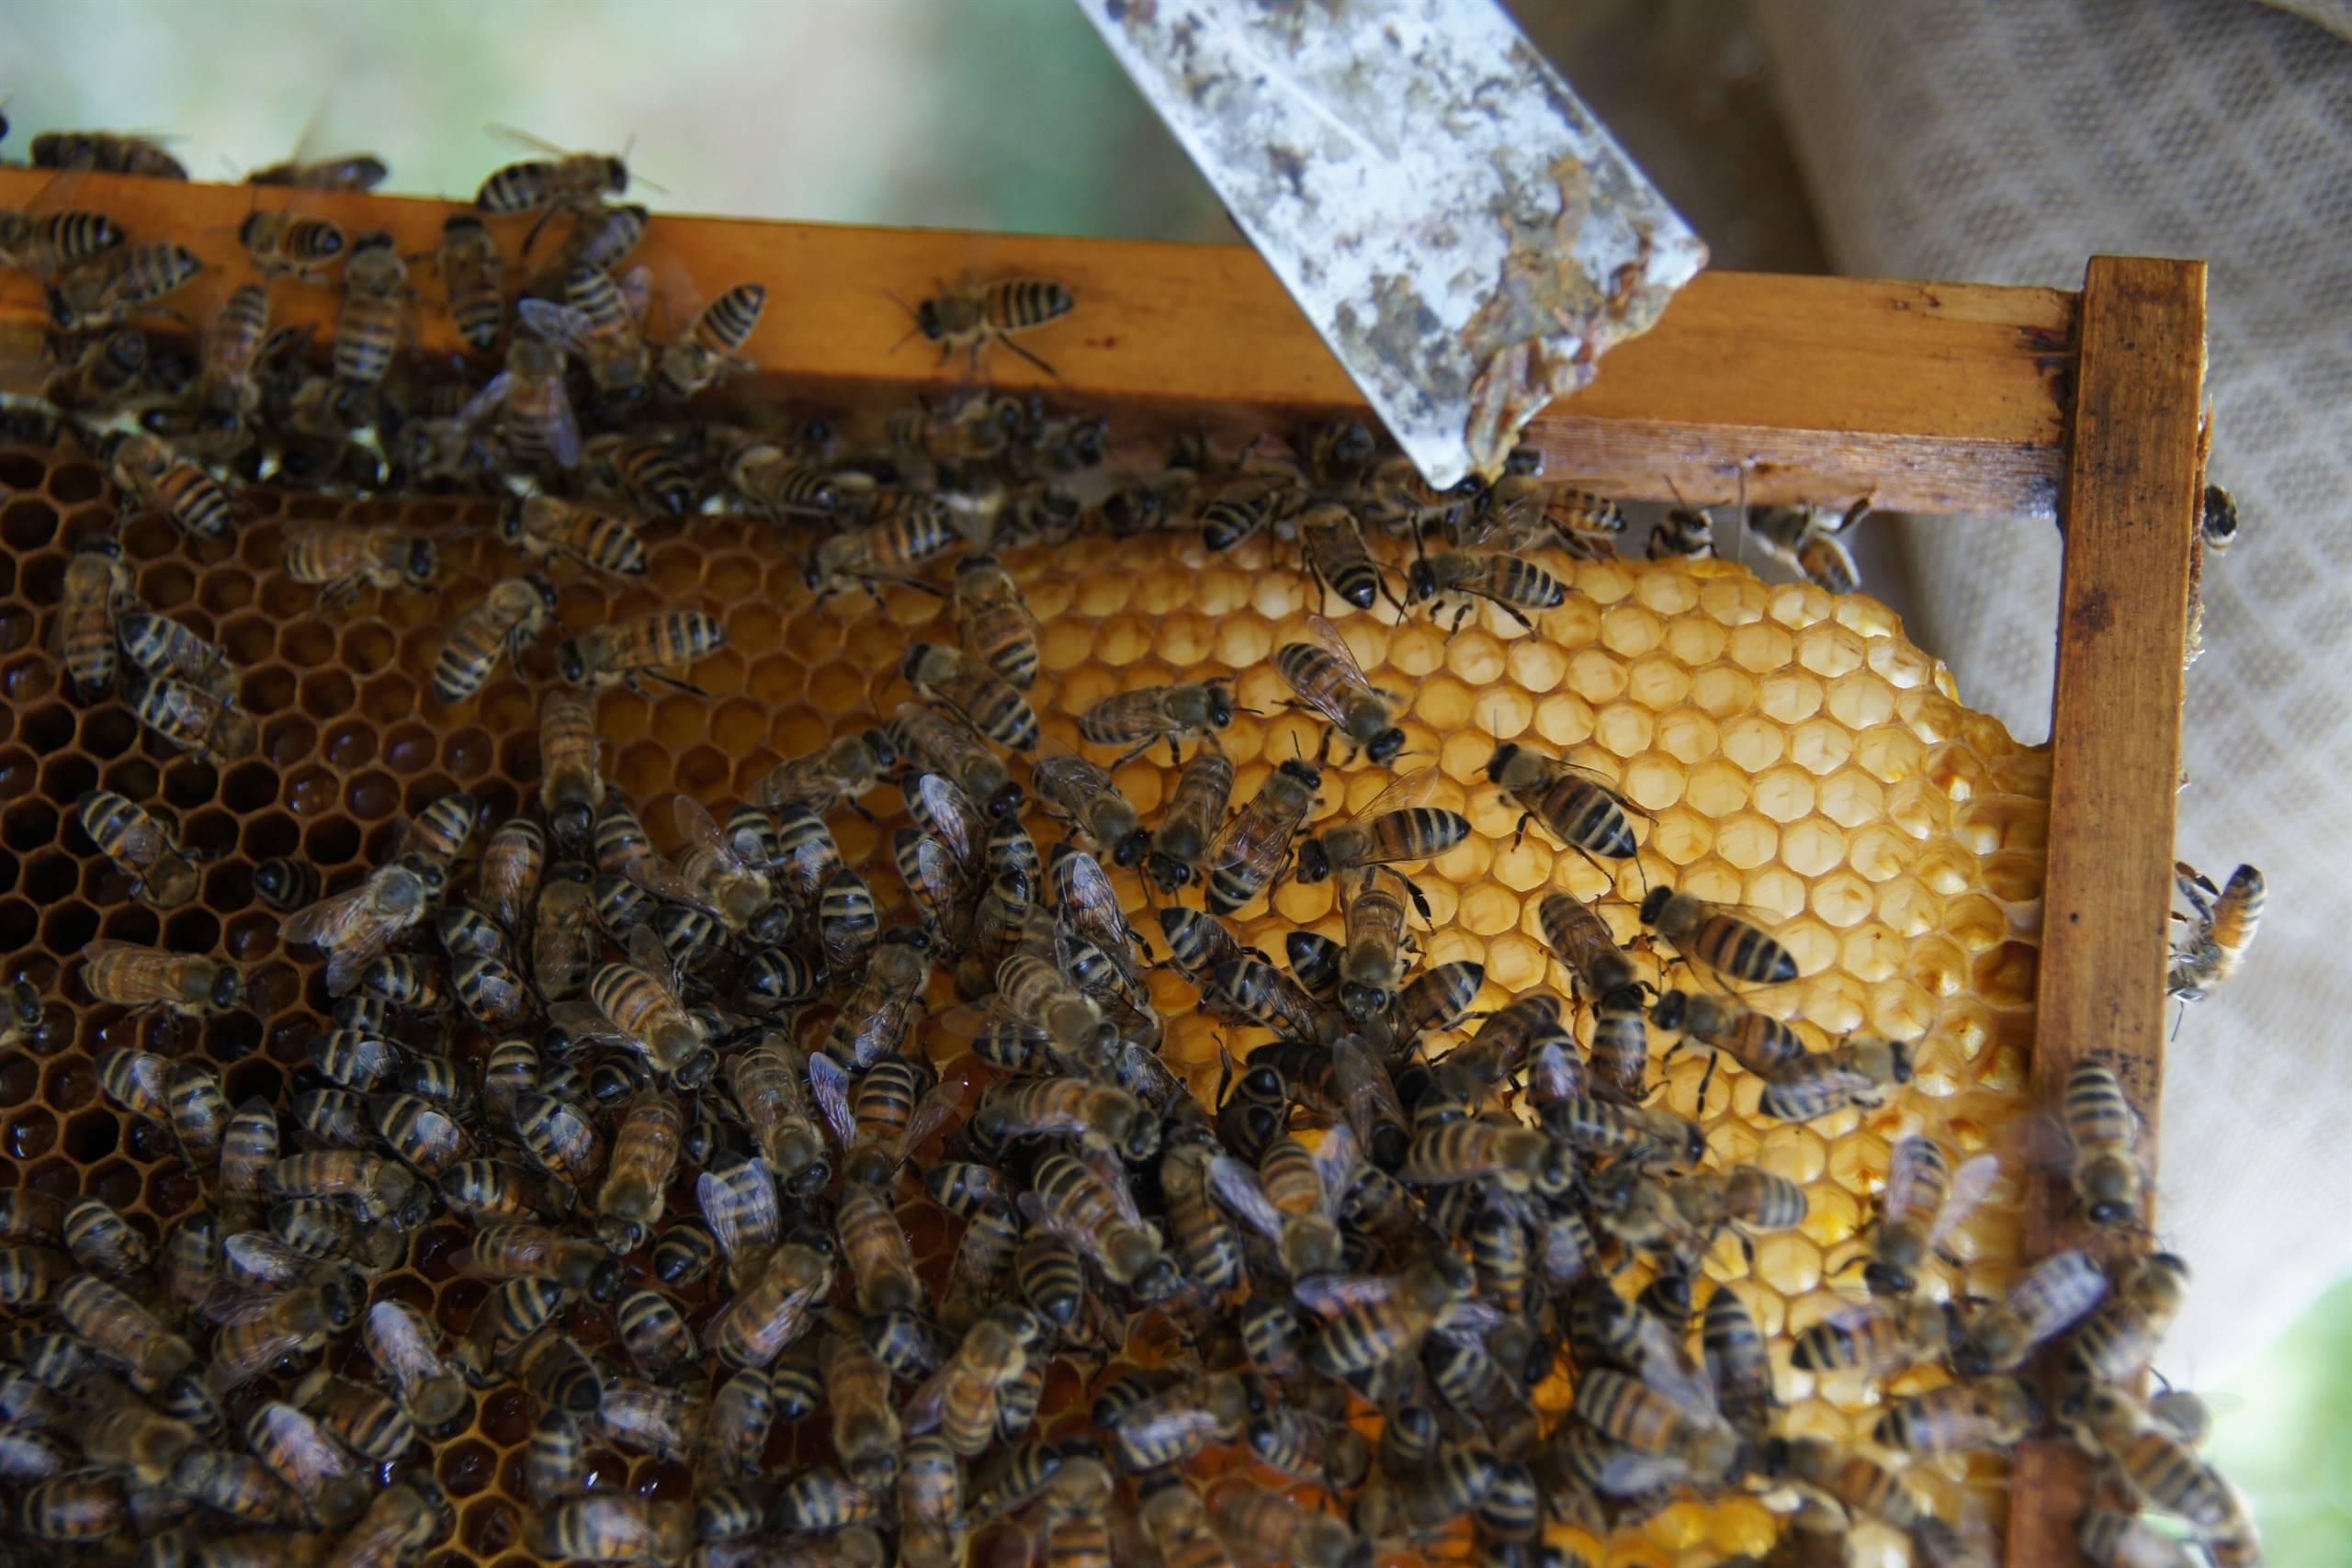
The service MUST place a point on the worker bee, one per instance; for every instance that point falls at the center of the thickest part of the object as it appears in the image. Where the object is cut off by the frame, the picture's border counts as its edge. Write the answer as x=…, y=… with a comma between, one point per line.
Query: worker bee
x=1252, y=851
x=1961, y=1417
x=1859, y=1072
x=1865, y=1487
x=571, y=790
x=610, y=1527
x=373, y=318
x=145, y=977
x=933, y=742
x=1926, y=1200
x=1326, y=678
x=48, y=238
x=153, y=475
x=1756, y=1041
x=547, y=525
x=1395, y=825
x=473, y=280
x=161, y=646
x=375, y=1188
x=403, y=1346
x=598, y=321
x=834, y=775
x=105, y=152
x=120, y=1330
x=270, y=1329
x=102, y=1241
x=973, y=693
x=284, y=242
x=2149, y=1459
x=972, y=316
x=632, y=651
x=713, y=342
x=1332, y=544
x=143, y=845
x=1075, y=791
x=2118, y=1340
x=993, y=623
x=104, y=377
x=865, y=1425
x=97, y=584
x=1512, y=583
x=2059, y=1290
x=1807, y=540
x=914, y=530
x=1374, y=952
x=535, y=413
x=1583, y=941
x=1721, y=938
x=1292, y=1197
x=636, y=1177
x=1684, y=532
x=342, y=557
x=190, y=719
x=1738, y=1364
x=2220, y=931
x=1196, y=809
x=562, y=181
x=1265, y=1525
x=2114, y=1538
x=357, y=927
x=513, y=613
x=772, y=483
x=114, y=286
x=637, y=1004
x=1191, y=710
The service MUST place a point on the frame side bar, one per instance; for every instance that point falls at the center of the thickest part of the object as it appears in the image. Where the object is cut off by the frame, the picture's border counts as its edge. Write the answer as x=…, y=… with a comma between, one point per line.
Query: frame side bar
x=2129, y=514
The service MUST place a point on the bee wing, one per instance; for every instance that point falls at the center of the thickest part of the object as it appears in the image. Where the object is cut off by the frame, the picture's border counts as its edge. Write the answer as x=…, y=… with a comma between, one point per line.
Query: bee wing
x=940, y=806
x=1335, y=1164
x=1405, y=791
x=829, y=1090
x=1091, y=905
x=647, y=954
x=2061, y=1288
x=1616, y=792
x=1114, y=1174
x=935, y=879
x=701, y=829
x=929, y=1401
x=657, y=876
x=524, y=139
x=1909, y=1185
x=1237, y=1186
x=581, y=1020
x=297, y=1443
x=493, y=392
x=1970, y=1186
x=556, y=324
x=1628, y=1472
x=739, y=1206
x=1075, y=1236
x=564, y=431
x=931, y=1112
x=1061, y=773
x=1667, y=1367
x=1332, y=1294
x=1366, y=1092
x=328, y=922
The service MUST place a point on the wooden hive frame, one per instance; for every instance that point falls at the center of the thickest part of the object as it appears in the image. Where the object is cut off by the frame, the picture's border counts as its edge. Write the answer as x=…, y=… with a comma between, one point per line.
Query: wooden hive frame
x=1943, y=398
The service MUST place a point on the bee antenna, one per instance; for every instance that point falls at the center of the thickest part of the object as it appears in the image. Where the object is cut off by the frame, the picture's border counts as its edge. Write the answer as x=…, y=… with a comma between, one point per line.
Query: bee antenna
x=913, y=315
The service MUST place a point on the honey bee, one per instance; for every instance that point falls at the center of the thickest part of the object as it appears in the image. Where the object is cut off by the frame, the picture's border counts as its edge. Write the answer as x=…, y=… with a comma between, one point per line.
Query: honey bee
x=105, y=377
x=140, y=844
x=771, y=483
x=2119, y=1339
x=1722, y=939
x=1326, y=679
x=342, y=557
x=2056, y=1294
x=1263, y=1526
x=513, y=613
x=1086, y=1202
x=636, y=1177
x=1512, y=583
x=31, y=1275
x=1188, y=711
x=2113, y=1538
x=261, y=1334
x=102, y=1241
x=571, y=789
x=960, y=1400
x=378, y=1189
x=1393, y=827
x=357, y=927
x=399, y=1524
x=120, y=1330
x=1583, y=941
x=1807, y=540
x=887, y=550
x=611, y=1527
x=1196, y=810
x=281, y=243
x=373, y=319
x=1252, y=850
x=1961, y=1417
x=976, y=314
x=934, y=743
x=1292, y=1197
x=633, y=651
x=1445, y=1153
x=599, y=322
x=535, y=413
x=48, y=238
x=403, y=1346
x=1179, y=1422
x=85, y=1506
x=473, y=280
x=713, y=342
x=146, y=978
x=865, y=1425
x=81, y=636
x=2221, y=930
x=192, y=721
x=546, y=526
x=1859, y=1072
x=1374, y=952
x=111, y=287
x=161, y=646
x=1684, y=532
x=636, y=1004
x=837, y=774
x=973, y=693
x=1926, y=1200
x=993, y=623
x=562, y=181
x=654, y=1333
x=153, y=475
x=1864, y=1486
x=2153, y=1463
x=1756, y=1041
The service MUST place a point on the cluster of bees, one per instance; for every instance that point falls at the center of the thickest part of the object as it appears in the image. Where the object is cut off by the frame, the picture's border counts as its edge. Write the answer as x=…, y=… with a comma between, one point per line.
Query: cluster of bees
x=683, y=1106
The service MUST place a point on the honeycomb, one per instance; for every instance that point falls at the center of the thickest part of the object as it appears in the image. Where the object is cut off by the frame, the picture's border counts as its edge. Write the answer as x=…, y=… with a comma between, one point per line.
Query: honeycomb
x=1794, y=752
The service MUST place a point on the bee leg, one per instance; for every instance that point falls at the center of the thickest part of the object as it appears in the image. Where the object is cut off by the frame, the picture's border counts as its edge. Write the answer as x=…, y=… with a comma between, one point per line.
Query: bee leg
x=1515, y=613
x=1714, y=1058
x=672, y=680
x=1420, y=899
x=1175, y=757
x=1024, y=353
x=1520, y=834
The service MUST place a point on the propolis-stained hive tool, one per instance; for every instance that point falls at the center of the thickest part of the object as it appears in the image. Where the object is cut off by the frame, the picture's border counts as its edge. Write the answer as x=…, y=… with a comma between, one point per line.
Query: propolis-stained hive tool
x=1463, y=232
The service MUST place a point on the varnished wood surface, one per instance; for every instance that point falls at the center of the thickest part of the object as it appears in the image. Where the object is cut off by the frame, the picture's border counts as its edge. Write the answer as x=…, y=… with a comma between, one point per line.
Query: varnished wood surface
x=2133, y=482
x=1931, y=397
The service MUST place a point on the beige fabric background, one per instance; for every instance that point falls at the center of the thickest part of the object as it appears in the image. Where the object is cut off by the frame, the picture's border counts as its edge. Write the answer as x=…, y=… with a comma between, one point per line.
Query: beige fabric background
x=2006, y=142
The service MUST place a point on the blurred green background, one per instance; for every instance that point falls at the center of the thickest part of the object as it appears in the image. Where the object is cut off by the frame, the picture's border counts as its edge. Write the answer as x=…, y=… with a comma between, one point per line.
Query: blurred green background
x=985, y=114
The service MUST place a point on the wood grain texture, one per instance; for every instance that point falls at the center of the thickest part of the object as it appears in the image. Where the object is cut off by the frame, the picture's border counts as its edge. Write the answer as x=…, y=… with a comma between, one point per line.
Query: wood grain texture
x=2133, y=479
x=1931, y=397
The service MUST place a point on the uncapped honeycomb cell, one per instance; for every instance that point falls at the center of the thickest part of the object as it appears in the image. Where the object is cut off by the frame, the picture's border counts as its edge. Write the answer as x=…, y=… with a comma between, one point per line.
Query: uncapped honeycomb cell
x=1788, y=750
